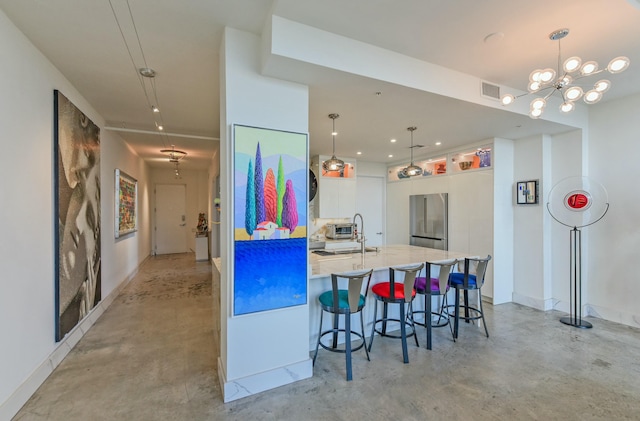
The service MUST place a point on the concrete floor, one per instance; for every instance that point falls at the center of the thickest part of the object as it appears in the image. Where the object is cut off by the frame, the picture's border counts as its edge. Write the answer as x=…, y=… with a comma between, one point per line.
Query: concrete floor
x=152, y=356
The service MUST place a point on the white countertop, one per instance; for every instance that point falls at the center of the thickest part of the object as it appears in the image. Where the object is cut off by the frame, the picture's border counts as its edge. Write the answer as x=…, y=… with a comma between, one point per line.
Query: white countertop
x=394, y=255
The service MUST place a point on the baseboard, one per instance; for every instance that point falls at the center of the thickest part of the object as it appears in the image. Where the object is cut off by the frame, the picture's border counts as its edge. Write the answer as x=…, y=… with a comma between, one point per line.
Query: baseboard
x=537, y=303
x=632, y=320
x=10, y=407
x=250, y=385
x=591, y=310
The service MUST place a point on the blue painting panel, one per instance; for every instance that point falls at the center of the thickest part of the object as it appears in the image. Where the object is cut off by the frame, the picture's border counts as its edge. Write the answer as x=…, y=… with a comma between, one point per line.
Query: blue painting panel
x=270, y=209
x=269, y=275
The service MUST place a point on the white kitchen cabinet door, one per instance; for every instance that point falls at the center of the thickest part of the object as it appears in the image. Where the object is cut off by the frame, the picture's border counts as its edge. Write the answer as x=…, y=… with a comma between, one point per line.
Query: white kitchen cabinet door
x=336, y=198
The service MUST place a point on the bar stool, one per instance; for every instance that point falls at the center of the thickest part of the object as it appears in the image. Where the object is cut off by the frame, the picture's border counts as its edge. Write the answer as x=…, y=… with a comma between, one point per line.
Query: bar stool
x=393, y=292
x=430, y=287
x=344, y=302
x=472, y=278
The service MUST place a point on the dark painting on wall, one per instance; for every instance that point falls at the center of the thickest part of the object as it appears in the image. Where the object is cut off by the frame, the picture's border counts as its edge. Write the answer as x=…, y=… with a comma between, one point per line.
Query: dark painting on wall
x=77, y=214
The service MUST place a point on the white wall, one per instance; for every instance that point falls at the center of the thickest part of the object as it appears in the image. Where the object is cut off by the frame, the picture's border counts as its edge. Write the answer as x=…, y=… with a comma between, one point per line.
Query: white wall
x=529, y=224
x=567, y=151
x=541, y=245
x=371, y=169
x=129, y=250
x=501, y=280
x=29, y=352
x=614, y=145
x=266, y=349
x=197, y=197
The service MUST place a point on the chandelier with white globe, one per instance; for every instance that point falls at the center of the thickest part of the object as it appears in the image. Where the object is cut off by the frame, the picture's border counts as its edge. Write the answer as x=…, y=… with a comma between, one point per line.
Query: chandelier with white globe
x=545, y=82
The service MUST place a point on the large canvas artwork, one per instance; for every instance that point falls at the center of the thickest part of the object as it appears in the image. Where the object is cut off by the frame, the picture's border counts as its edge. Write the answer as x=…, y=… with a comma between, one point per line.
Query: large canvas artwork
x=77, y=207
x=270, y=214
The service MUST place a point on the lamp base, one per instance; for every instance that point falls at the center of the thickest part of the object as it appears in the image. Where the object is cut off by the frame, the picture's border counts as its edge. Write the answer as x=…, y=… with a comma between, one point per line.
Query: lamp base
x=572, y=321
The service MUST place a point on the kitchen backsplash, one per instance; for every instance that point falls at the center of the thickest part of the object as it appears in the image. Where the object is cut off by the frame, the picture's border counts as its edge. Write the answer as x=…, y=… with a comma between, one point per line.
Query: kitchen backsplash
x=318, y=226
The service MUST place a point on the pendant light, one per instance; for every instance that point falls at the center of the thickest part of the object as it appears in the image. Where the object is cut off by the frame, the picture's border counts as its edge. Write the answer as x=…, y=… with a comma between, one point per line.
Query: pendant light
x=544, y=83
x=333, y=164
x=412, y=169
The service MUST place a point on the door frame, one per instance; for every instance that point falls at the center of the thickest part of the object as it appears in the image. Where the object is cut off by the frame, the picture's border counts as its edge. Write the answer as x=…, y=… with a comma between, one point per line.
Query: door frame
x=154, y=250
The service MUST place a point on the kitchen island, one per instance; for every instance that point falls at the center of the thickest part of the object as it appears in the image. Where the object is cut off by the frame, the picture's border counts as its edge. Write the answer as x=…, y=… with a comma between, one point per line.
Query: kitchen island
x=394, y=255
x=386, y=256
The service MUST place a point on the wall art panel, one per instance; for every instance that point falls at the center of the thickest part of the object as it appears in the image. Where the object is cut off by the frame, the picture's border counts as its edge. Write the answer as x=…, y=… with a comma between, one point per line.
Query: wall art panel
x=77, y=214
x=270, y=219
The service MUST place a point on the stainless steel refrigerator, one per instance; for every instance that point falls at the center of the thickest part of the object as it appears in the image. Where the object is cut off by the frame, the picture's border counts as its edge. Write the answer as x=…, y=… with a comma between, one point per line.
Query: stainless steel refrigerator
x=428, y=218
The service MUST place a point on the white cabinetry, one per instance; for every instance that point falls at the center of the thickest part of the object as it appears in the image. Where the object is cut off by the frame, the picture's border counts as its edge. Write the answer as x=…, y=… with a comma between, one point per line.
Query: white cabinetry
x=202, y=247
x=336, y=196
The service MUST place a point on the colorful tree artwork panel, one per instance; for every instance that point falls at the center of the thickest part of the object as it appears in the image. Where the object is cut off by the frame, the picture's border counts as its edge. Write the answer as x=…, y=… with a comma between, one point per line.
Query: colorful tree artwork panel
x=270, y=219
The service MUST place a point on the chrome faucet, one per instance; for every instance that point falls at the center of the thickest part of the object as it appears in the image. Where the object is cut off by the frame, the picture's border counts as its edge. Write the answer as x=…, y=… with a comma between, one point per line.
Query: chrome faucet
x=360, y=240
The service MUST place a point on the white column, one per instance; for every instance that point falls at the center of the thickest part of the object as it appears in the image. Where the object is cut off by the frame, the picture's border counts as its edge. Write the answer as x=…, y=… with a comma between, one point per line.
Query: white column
x=267, y=349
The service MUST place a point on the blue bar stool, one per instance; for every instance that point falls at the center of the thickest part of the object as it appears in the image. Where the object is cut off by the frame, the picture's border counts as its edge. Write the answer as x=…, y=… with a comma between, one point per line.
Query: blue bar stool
x=434, y=286
x=471, y=279
x=393, y=292
x=344, y=302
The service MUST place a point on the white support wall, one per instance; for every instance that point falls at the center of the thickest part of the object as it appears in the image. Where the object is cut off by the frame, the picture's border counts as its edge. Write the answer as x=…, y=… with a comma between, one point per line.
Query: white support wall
x=503, y=222
x=267, y=349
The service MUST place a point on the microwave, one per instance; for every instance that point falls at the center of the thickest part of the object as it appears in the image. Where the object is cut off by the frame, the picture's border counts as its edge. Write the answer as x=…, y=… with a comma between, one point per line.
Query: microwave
x=340, y=231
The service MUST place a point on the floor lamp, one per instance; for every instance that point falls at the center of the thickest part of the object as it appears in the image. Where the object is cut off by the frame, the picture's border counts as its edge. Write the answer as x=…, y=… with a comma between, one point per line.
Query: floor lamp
x=577, y=202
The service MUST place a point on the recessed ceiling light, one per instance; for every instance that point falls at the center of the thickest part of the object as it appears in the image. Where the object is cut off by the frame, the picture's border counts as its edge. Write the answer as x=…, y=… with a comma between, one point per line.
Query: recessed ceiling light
x=359, y=153
x=393, y=141
x=160, y=128
x=390, y=156
x=438, y=143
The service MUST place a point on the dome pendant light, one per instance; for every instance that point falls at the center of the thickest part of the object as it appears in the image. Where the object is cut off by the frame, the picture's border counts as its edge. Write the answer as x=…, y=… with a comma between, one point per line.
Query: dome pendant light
x=333, y=164
x=412, y=169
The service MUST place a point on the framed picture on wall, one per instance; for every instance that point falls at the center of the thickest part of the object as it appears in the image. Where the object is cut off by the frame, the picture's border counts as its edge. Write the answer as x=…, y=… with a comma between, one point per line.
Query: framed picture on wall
x=126, y=210
x=270, y=219
x=77, y=214
x=527, y=192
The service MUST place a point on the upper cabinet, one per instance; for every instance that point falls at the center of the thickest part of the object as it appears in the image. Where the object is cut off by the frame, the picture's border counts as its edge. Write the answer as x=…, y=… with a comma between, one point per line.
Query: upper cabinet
x=336, y=197
x=430, y=167
x=478, y=158
x=471, y=159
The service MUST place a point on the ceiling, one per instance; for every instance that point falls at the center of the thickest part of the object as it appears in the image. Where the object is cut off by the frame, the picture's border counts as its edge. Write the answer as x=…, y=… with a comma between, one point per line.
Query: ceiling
x=180, y=41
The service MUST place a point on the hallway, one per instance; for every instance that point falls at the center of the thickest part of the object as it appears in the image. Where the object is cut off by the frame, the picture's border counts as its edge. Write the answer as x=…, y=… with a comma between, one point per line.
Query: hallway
x=152, y=356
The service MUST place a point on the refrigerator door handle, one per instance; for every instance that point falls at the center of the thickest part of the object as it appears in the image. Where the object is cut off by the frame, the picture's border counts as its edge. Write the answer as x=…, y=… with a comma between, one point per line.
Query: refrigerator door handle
x=427, y=238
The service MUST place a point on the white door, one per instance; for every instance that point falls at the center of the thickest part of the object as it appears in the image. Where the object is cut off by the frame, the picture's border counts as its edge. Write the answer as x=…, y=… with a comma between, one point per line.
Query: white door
x=171, y=219
x=370, y=202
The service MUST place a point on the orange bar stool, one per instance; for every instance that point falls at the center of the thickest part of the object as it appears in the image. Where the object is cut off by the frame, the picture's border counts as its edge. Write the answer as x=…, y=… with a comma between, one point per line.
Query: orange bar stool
x=402, y=294
x=345, y=302
x=472, y=278
x=429, y=286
